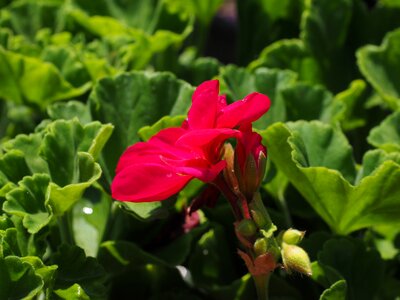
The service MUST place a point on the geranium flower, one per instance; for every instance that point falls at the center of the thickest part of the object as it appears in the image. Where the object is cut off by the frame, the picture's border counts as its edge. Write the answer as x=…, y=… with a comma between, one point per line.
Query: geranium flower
x=161, y=167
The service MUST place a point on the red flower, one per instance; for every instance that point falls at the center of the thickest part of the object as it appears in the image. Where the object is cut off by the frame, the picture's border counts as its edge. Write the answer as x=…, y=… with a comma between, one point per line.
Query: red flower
x=161, y=167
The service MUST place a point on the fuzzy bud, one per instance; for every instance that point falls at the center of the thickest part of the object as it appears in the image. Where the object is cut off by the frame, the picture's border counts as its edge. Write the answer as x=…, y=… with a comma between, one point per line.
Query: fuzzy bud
x=296, y=259
x=292, y=236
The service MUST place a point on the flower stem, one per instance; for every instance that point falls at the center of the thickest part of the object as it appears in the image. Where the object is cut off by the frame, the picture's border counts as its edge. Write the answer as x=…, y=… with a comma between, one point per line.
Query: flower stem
x=65, y=227
x=262, y=284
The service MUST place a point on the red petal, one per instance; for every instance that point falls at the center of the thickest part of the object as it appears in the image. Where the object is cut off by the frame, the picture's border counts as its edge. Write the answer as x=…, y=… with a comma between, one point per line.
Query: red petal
x=200, y=138
x=146, y=183
x=248, y=110
x=203, y=112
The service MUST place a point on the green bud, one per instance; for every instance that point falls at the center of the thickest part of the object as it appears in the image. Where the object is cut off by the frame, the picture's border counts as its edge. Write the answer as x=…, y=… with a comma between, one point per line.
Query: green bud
x=260, y=246
x=292, y=236
x=296, y=259
x=247, y=228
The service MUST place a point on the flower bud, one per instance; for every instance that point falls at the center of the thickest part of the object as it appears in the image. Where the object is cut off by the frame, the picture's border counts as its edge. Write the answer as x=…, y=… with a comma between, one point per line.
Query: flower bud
x=250, y=161
x=260, y=246
x=296, y=259
x=292, y=236
x=247, y=228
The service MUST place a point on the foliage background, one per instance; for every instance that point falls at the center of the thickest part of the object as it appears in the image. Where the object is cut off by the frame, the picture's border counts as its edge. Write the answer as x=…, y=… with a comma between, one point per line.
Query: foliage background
x=82, y=80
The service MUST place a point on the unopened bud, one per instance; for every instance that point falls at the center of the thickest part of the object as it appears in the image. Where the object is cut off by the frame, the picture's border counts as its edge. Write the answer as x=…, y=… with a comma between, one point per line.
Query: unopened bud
x=260, y=246
x=292, y=236
x=296, y=259
x=247, y=228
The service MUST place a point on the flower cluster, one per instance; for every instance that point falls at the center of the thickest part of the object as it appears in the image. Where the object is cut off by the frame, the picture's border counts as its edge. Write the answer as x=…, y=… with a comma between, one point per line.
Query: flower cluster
x=161, y=167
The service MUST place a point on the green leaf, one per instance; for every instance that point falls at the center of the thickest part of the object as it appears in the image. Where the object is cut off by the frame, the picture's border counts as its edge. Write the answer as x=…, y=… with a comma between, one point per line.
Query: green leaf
x=70, y=110
x=146, y=132
x=335, y=292
x=351, y=101
x=18, y=279
x=291, y=55
x=322, y=31
x=325, y=275
x=265, y=21
x=143, y=99
x=75, y=267
x=9, y=243
x=240, y=289
x=271, y=82
x=318, y=161
x=380, y=65
x=90, y=216
x=146, y=211
x=309, y=102
x=386, y=136
x=74, y=292
x=353, y=260
x=29, y=201
x=30, y=80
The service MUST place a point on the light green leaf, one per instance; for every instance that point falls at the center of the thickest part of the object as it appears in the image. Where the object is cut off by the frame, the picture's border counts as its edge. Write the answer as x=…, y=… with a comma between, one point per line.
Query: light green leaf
x=318, y=161
x=74, y=292
x=386, y=136
x=28, y=201
x=352, y=102
x=380, y=65
x=70, y=110
x=146, y=132
x=90, y=216
x=146, y=210
x=18, y=279
x=143, y=99
x=86, y=172
x=335, y=292
x=30, y=80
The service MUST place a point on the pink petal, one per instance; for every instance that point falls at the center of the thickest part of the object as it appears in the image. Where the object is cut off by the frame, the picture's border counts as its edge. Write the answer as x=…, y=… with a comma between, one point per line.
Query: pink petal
x=146, y=183
x=203, y=112
x=243, y=111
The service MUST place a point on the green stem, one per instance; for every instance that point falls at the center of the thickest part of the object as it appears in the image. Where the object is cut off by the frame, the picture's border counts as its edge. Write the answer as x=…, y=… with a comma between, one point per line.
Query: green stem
x=65, y=227
x=285, y=210
x=262, y=284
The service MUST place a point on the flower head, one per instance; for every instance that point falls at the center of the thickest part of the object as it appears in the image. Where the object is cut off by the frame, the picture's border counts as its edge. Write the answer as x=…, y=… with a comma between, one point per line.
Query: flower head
x=161, y=167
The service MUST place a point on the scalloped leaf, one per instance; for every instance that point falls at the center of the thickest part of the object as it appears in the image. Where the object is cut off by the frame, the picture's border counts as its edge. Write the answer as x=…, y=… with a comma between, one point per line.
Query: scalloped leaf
x=28, y=201
x=381, y=67
x=18, y=279
x=292, y=55
x=70, y=110
x=75, y=267
x=386, y=136
x=318, y=161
